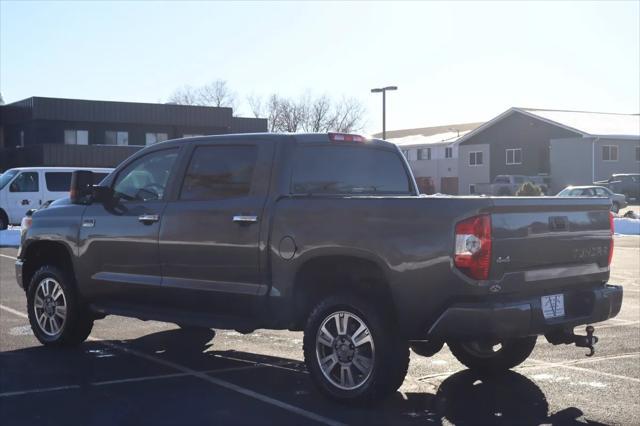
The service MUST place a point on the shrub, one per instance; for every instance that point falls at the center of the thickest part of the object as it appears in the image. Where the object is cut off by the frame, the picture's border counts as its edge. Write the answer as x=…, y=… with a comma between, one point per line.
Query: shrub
x=529, y=189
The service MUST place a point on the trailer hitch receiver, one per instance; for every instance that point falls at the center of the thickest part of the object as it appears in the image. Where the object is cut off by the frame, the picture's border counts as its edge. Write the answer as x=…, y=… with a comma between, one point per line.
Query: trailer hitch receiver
x=567, y=337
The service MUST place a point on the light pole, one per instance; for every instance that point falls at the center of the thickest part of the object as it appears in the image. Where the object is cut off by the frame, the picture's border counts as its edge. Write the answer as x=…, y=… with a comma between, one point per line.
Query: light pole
x=383, y=90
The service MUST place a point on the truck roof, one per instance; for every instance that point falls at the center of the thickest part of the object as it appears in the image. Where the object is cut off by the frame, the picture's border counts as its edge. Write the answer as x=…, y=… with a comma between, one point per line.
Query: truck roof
x=297, y=137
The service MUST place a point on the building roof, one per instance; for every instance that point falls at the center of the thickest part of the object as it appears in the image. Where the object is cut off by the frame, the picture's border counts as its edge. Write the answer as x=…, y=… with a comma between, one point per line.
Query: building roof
x=42, y=108
x=430, y=131
x=446, y=138
x=591, y=123
x=585, y=123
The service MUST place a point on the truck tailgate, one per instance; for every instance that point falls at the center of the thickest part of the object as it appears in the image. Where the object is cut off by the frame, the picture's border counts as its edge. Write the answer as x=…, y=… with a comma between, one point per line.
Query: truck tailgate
x=550, y=238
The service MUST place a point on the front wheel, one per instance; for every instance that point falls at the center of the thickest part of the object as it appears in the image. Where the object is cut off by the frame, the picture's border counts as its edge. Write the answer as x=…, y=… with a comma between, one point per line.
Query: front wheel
x=353, y=351
x=493, y=356
x=56, y=315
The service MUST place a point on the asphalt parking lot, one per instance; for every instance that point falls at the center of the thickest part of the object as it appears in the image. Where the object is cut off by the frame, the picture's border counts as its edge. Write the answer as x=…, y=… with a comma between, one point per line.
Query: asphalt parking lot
x=133, y=373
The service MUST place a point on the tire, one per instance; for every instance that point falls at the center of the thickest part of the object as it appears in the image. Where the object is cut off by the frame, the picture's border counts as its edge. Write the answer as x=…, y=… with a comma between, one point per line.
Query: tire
x=481, y=357
x=4, y=221
x=615, y=207
x=59, y=297
x=379, y=343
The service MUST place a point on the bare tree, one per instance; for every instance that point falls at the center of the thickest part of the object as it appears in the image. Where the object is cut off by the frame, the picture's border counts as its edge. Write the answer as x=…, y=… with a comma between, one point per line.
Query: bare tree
x=216, y=93
x=256, y=105
x=305, y=113
x=308, y=114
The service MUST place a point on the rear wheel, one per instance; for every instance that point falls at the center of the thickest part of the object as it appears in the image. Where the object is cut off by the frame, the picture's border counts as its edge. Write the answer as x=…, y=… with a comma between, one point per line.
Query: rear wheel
x=4, y=221
x=56, y=315
x=353, y=351
x=493, y=356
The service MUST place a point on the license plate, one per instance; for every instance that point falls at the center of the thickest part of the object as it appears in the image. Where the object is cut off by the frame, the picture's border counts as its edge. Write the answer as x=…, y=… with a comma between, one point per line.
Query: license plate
x=553, y=306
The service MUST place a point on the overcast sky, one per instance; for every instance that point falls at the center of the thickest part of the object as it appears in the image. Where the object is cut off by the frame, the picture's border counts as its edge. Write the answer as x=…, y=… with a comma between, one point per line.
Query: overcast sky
x=453, y=62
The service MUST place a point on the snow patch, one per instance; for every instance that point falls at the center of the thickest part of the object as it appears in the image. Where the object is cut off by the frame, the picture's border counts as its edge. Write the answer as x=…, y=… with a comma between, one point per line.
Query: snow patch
x=626, y=226
x=10, y=237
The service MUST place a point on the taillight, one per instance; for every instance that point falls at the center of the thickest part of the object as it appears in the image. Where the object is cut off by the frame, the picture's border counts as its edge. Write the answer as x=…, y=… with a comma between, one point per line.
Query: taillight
x=612, y=230
x=473, y=246
x=345, y=137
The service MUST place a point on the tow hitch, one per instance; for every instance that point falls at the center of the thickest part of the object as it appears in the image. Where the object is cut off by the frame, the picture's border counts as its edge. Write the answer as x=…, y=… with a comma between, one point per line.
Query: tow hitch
x=567, y=337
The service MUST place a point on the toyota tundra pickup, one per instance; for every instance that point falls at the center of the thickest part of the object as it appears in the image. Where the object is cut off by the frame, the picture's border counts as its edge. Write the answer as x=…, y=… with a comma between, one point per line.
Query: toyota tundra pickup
x=324, y=233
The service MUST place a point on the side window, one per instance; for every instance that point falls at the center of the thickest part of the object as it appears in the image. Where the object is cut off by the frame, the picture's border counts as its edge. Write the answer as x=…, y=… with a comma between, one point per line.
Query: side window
x=600, y=192
x=25, y=182
x=146, y=178
x=58, y=181
x=217, y=172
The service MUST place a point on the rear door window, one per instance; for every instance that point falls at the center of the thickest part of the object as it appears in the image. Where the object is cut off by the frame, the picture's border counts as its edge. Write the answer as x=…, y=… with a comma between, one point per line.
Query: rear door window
x=349, y=170
x=218, y=172
x=58, y=181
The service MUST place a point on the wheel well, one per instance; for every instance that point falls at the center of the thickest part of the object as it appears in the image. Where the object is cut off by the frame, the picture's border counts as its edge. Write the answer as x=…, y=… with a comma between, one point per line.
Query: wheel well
x=45, y=253
x=323, y=276
x=4, y=215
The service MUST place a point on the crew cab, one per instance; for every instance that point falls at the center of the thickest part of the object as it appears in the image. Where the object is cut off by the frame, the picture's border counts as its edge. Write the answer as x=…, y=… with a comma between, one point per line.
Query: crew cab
x=324, y=233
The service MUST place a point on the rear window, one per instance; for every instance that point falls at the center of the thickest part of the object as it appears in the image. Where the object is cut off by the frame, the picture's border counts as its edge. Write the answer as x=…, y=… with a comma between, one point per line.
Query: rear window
x=349, y=170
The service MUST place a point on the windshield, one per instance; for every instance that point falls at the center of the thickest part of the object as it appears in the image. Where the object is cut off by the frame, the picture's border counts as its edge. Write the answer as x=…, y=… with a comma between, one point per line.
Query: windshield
x=6, y=177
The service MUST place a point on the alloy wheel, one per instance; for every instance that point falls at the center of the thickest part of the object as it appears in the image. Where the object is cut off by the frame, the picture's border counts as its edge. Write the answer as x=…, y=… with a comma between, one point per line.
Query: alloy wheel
x=50, y=307
x=345, y=350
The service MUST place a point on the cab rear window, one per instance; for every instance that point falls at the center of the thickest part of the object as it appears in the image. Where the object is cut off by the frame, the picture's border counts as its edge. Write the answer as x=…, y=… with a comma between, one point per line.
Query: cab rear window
x=349, y=170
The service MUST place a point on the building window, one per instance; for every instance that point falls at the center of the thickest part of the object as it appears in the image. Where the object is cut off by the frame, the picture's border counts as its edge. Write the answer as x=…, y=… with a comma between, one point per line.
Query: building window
x=151, y=138
x=424, y=154
x=514, y=156
x=448, y=152
x=112, y=137
x=610, y=153
x=637, y=153
x=405, y=152
x=475, y=158
x=76, y=137
x=472, y=188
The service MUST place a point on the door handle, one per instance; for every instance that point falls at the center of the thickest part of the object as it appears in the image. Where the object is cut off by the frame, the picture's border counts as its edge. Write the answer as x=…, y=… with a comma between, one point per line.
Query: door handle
x=245, y=219
x=25, y=202
x=148, y=218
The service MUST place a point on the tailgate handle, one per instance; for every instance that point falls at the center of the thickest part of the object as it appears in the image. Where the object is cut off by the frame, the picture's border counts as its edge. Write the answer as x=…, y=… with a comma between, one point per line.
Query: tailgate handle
x=559, y=223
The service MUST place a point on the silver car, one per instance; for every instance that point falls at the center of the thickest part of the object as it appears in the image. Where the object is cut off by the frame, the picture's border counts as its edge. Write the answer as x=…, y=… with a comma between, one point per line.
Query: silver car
x=618, y=201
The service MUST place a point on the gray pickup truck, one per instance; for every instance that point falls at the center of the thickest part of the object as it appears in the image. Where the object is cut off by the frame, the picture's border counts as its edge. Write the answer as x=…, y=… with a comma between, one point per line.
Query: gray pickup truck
x=324, y=233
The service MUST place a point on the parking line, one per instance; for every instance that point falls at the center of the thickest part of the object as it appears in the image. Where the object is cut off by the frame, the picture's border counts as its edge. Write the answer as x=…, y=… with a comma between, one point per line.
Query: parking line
x=201, y=375
x=545, y=364
x=8, y=257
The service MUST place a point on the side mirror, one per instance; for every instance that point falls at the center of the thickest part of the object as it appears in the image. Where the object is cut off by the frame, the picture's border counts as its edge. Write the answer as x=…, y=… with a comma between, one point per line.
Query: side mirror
x=102, y=194
x=81, y=186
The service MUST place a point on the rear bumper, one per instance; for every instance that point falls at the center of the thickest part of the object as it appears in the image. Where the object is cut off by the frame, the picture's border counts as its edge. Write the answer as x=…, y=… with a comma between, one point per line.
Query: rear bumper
x=524, y=317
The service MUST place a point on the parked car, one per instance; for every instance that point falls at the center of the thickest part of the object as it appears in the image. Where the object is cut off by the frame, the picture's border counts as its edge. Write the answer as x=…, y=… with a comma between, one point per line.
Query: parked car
x=508, y=185
x=618, y=201
x=26, y=188
x=326, y=234
x=627, y=184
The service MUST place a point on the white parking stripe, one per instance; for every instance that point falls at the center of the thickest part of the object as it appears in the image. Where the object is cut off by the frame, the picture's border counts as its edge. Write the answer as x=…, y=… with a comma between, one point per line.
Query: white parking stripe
x=202, y=375
x=545, y=364
x=8, y=257
x=26, y=392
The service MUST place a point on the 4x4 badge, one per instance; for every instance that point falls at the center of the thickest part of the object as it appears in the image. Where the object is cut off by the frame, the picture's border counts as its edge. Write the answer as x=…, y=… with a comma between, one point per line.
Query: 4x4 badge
x=505, y=259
